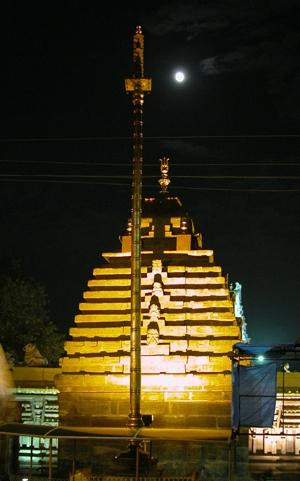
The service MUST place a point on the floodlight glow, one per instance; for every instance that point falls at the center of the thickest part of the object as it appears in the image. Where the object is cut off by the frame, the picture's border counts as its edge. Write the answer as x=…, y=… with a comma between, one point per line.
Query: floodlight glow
x=179, y=77
x=261, y=358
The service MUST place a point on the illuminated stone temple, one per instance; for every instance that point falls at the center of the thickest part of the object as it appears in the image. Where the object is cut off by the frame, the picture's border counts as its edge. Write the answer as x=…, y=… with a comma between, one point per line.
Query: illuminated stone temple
x=188, y=328
x=191, y=317
x=166, y=299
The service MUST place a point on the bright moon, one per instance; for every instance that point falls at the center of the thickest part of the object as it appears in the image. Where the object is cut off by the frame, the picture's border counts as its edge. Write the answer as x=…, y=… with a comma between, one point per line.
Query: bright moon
x=179, y=77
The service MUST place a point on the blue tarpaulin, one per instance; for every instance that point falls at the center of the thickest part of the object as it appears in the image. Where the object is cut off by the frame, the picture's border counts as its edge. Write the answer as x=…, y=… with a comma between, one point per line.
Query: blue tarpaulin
x=272, y=351
x=253, y=395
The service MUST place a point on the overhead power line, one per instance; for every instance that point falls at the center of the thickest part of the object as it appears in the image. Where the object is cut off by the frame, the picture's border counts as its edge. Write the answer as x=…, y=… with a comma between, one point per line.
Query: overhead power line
x=146, y=164
x=212, y=177
x=128, y=185
x=149, y=138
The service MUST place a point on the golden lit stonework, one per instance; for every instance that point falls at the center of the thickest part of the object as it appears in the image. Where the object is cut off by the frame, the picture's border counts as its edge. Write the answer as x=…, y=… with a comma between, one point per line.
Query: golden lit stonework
x=188, y=328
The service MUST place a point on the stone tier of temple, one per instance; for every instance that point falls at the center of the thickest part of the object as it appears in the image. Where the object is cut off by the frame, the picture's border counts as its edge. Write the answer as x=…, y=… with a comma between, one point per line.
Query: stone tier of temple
x=188, y=329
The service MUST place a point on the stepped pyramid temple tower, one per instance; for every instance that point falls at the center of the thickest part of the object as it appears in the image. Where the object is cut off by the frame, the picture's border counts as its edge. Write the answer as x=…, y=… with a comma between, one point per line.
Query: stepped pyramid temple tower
x=188, y=328
x=185, y=329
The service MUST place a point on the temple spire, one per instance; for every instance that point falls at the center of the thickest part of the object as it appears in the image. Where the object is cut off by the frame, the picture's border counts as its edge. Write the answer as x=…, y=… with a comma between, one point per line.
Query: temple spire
x=164, y=181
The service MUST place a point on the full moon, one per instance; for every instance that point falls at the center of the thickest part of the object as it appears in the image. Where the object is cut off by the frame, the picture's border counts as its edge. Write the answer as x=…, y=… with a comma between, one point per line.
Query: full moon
x=179, y=77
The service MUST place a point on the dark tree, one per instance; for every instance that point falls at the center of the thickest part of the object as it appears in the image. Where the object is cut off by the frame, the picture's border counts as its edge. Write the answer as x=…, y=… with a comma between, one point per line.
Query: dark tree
x=24, y=317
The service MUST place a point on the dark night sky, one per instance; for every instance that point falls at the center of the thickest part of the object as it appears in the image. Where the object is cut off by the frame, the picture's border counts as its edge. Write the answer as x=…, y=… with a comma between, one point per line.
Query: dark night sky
x=65, y=81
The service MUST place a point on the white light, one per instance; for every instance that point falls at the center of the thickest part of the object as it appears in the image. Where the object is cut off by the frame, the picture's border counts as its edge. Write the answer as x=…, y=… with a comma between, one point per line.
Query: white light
x=179, y=77
x=260, y=358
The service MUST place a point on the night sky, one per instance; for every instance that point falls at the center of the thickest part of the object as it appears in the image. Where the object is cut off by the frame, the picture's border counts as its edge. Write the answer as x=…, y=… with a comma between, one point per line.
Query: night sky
x=231, y=131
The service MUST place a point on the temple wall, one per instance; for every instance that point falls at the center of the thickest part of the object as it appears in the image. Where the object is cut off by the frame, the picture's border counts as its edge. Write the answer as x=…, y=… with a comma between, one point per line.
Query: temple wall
x=103, y=400
x=188, y=328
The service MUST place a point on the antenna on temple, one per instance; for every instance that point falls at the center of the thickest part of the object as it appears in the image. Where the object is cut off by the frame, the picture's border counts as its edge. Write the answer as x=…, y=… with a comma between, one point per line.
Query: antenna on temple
x=164, y=181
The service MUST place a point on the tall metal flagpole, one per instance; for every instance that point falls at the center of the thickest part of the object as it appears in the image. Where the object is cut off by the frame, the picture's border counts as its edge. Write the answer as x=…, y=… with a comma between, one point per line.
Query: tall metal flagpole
x=137, y=85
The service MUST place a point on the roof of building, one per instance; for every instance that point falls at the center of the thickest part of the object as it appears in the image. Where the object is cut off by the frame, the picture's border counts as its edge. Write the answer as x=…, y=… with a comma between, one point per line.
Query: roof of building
x=78, y=432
